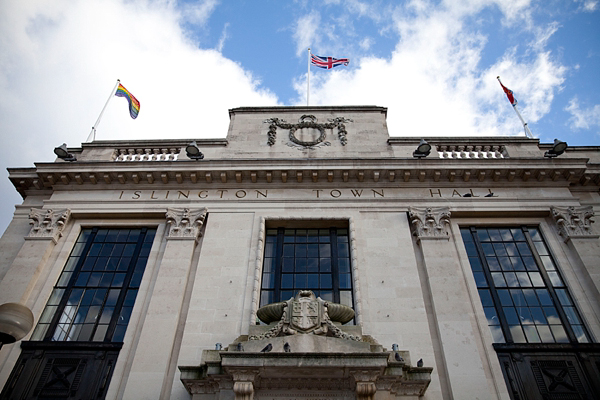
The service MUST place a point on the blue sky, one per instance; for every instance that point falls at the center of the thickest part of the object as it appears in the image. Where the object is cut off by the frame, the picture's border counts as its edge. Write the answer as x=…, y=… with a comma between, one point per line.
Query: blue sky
x=432, y=63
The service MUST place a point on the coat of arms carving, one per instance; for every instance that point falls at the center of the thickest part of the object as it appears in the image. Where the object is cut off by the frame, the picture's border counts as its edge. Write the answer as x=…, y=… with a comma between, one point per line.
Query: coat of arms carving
x=304, y=314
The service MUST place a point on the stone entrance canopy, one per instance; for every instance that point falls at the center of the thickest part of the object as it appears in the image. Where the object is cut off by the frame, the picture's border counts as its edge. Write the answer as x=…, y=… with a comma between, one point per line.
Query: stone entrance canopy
x=305, y=353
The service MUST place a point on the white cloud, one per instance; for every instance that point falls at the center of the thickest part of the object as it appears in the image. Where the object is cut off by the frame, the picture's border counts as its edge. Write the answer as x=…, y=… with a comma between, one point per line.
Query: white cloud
x=588, y=5
x=586, y=118
x=305, y=32
x=199, y=12
x=61, y=58
x=223, y=38
x=366, y=43
x=433, y=82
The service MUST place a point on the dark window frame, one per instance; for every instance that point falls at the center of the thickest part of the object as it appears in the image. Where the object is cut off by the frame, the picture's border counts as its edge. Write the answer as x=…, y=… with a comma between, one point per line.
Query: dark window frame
x=126, y=294
x=555, y=298
x=278, y=269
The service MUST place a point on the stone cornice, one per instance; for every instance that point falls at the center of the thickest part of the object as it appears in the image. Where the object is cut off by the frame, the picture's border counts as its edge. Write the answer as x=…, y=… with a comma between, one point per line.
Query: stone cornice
x=566, y=172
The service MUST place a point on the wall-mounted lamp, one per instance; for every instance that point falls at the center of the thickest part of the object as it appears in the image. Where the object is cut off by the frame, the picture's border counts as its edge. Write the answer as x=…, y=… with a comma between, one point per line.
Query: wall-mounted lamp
x=63, y=153
x=557, y=149
x=193, y=151
x=16, y=321
x=423, y=149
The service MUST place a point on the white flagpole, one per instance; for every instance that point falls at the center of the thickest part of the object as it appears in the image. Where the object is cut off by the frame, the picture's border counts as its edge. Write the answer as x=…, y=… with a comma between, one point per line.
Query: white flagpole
x=92, y=134
x=527, y=131
x=525, y=127
x=308, y=79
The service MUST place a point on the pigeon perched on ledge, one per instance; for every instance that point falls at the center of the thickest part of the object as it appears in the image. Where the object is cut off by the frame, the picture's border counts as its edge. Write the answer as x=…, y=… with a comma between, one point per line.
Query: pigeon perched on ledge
x=267, y=348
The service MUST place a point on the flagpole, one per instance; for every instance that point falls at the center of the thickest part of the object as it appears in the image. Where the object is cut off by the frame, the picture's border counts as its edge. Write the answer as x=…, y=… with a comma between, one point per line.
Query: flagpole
x=525, y=127
x=92, y=134
x=308, y=79
x=527, y=131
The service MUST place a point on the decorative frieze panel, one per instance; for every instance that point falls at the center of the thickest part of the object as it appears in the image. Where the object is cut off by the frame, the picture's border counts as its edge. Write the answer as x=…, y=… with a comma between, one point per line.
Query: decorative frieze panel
x=185, y=223
x=47, y=224
x=573, y=221
x=430, y=222
x=307, y=122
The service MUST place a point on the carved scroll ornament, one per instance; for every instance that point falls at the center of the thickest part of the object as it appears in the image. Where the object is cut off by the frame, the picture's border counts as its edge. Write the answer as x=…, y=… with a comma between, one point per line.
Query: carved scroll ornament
x=573, y=221
x=430, y=222
x=185, y=223
x=307, y=122
x=48, y=223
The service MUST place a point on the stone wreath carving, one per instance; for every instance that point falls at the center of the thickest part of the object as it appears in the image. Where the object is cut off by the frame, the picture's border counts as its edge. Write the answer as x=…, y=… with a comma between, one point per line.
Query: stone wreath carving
x=307, y=122
x=305, y=314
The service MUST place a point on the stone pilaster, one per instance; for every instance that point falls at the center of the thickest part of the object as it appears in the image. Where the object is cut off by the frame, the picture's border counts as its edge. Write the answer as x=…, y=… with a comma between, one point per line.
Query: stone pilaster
x=149, y=376
x=453, y=313
x=31, y=261
x=574, y=226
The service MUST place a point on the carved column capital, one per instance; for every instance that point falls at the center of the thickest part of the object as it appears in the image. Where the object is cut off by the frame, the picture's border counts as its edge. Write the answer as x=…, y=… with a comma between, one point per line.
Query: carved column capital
x=47, y=224
x=430, y=222
x=185, y=223
x=573, y=221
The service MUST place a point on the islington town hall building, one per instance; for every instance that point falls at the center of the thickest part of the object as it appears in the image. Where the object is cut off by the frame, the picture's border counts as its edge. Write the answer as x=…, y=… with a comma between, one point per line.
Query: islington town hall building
x=308, y=255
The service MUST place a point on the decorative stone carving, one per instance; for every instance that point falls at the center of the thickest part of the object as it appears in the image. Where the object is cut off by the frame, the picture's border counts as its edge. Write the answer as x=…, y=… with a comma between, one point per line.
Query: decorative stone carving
x=185, y=223
x=305, y=314
x=47, y=223
x=307, y=122
x=573, y=221
x=430, y=222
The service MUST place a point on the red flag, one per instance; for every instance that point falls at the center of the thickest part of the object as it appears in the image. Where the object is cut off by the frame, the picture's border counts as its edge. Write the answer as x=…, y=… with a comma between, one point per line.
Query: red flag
x=509, y=94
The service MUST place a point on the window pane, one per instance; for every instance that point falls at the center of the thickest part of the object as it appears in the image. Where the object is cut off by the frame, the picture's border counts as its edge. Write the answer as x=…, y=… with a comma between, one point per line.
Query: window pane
x=517, y=334
x=300, y=281
x=480, y=279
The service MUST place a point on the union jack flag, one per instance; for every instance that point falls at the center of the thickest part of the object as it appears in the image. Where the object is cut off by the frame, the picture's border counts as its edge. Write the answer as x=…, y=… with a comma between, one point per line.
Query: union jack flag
x=327, y=62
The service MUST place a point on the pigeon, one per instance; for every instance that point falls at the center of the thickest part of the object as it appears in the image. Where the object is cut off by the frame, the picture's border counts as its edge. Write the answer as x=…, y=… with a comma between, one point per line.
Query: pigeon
x=240, y=347
x=287, y=348
x=267, y=348
x=489, y=195
x=420, y=363
x=398, y=357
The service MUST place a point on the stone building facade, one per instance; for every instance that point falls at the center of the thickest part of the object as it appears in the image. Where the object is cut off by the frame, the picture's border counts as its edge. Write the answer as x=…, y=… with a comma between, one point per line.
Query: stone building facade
x=309, y=255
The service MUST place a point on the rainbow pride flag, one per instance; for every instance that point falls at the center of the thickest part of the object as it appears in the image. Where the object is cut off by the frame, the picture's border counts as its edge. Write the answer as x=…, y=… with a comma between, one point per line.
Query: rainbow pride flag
x=134, y=104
